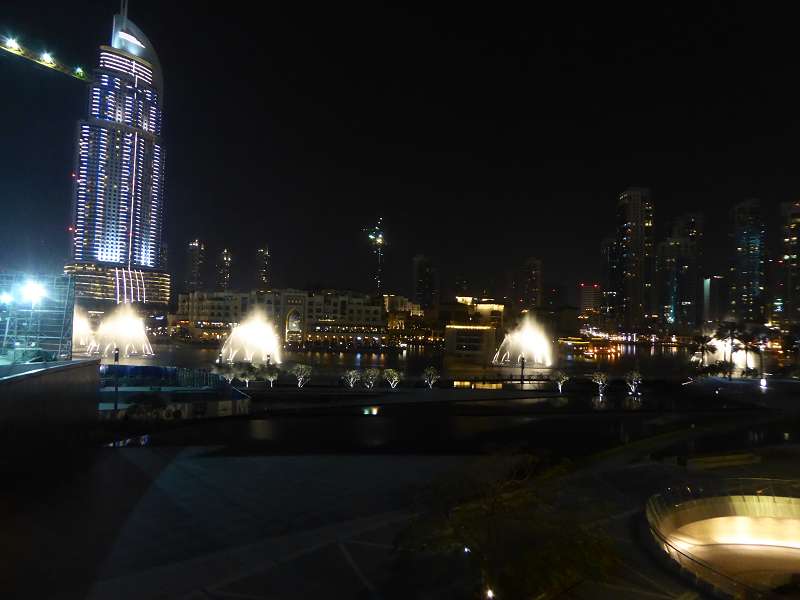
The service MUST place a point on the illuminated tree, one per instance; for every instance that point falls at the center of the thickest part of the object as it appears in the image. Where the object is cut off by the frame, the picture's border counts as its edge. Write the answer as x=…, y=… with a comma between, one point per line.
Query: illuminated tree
x=431, y=376
x=245, y=372
x=270, y=373
x=351, y=377
x=369, y=377
x=392, y=376
x=633, y=379
x=302, y=372
x=225, y=371
x=559, y=378
x=601, y=380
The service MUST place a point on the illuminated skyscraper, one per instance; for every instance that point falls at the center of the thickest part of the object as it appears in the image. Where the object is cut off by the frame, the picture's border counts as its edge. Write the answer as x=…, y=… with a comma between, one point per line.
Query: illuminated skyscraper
x=118, y=199
x=748, y=269
x=635, y=250
x=377, y=241
x=263, y=274
x=224, y=262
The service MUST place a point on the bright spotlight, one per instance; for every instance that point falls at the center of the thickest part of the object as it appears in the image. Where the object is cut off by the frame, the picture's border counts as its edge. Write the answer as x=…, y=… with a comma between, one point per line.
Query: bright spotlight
x=6, y=298
x=78, y=71
x=33, y=292
x=47, y=58
x=12, y=44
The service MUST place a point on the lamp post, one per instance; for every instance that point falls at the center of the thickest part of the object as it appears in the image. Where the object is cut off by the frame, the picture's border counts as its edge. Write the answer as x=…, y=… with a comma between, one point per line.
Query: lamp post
x=521, y=371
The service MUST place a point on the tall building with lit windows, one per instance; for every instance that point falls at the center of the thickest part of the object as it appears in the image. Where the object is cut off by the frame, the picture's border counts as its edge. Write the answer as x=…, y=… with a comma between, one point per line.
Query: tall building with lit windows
x=635, y=247
x=118, y=198
x=748, y=277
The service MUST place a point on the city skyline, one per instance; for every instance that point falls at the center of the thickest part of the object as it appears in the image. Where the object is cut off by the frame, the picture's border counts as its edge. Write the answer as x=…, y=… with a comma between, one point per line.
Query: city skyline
x=535, y=187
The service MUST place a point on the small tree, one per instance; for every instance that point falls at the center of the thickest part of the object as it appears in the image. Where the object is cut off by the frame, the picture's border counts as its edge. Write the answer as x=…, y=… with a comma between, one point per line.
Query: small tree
x=431, y=376
x=559, y=378
x=601, y=379
x=351, y=377
x=633, y=379
x=369, y=377
x=270, y=373
x=225, y=371
x=245, y=372
x=392, y=376
x=302, y=372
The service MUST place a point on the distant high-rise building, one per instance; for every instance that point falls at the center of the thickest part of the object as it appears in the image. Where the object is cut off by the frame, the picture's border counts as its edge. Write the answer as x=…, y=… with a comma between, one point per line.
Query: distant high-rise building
x=635, y=247
x=591, y=298
x=264, y=281
x=224, y=262
x=377, y=241
x=195, y=262
x=611, y=282
x=790, y=212
x=716, y=304
x=527, y=285
x=690, y=227
x=748, y=269
x=425, y=282
x=678, y=281
x=118, y=197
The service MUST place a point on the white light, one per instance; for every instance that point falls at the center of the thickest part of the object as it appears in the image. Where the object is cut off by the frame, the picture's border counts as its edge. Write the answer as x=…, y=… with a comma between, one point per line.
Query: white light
x=763, y=382
x=12, y=44
x=129, y=38
x=466, y=550
x=6, y=298
x=489, y=593
x=47, y=57
x=33, y=292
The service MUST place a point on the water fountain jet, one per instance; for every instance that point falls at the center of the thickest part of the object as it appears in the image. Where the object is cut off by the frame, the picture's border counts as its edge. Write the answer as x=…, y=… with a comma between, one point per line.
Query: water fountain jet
x=122, y=329
x=527, y=341
x=254, y=340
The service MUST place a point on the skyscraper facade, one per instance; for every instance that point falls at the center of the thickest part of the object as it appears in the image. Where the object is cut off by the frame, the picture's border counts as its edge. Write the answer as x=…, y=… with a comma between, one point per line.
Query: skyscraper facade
x=195, y=262
x=425, y=282
x=224, y=264
x=748, y=269
x=263, y=279
x=790, y=213
x=636, y=255
x=118, y=197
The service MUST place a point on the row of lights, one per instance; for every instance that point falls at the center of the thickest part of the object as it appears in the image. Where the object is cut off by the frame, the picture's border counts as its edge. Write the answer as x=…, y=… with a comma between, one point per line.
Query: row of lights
x=45, y=58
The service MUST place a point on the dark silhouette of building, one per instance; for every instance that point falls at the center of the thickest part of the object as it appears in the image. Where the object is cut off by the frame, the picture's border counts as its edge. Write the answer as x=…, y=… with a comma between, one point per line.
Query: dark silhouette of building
x=790, y=213
x=224, y=262
x=635, y=253
x=195, y=262
x=426, y=282
x=527, y=286
x=263, y=277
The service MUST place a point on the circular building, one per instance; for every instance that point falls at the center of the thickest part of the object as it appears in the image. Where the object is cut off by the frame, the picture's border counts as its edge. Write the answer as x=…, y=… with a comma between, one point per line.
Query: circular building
x=740, y=537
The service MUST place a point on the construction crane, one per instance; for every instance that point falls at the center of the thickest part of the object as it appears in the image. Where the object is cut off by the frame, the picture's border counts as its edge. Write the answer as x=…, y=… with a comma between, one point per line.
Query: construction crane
x=45, y=59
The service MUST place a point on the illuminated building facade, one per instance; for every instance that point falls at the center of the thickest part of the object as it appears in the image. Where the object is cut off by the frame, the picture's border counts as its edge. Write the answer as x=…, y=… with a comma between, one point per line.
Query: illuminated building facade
x=748, y=269
x=790, y=213
x=591, y=298
x=118, y=197
x=635, y=258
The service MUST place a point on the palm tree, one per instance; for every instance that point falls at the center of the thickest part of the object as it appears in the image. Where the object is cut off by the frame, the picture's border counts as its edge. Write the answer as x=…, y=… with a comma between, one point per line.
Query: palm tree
x=704, y=346
x=749, y=341
x=727, y=329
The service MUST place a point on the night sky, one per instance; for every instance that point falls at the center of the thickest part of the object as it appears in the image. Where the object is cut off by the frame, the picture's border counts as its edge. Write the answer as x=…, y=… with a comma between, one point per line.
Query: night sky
x=481, y=136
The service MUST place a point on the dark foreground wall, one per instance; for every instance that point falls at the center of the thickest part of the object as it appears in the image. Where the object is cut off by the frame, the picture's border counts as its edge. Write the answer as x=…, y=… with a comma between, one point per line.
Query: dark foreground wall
x=50, y=395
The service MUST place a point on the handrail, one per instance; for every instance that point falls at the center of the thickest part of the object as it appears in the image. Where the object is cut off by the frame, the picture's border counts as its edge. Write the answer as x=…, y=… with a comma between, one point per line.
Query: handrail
x=659, y=505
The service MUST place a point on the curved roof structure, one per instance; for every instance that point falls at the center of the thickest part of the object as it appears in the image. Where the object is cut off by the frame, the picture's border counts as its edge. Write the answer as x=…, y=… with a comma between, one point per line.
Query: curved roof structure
x=127, y=37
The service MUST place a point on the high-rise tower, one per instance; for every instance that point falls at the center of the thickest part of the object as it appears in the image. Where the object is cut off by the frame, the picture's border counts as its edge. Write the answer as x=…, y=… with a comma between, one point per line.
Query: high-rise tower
x=195, y=261
x=264, y=281
x=377, y=241
x=748, y=268
x=118, y=197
